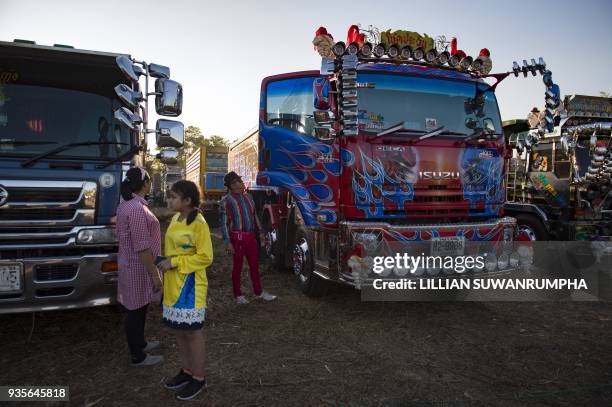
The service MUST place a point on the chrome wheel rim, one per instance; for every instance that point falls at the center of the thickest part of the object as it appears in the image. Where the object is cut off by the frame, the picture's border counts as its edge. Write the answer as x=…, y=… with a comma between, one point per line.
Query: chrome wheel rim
x=300, y=253
x=269, y=241
x=528, y=231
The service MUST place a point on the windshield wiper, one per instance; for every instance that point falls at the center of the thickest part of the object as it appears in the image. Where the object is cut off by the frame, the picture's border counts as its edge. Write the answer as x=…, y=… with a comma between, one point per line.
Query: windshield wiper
x=125, y=156
x=480, y=133
x=395, y=128
x=31, y=161
x=24, y=142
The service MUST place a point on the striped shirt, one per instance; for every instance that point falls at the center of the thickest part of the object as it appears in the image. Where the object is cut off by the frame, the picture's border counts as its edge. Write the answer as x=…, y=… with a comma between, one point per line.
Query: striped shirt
x=238, y=214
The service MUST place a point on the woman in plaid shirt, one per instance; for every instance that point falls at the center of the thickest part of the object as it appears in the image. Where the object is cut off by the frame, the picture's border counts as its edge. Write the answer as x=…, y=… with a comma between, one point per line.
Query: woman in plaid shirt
x=139, y=279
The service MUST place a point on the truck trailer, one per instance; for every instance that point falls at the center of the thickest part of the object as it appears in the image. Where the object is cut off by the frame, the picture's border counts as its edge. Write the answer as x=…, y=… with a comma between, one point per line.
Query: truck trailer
x=206, y=167
x=559, y=188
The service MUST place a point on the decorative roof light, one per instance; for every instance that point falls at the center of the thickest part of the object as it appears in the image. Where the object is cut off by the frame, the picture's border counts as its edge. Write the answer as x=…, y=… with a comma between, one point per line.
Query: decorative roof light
x=443, y=58
x=393, y=51
x=431, y=56
x=366, y=50
x=406, y=52
x=339, y=49
x=352, y=49
x=466, y=63
x=418, y=54
x=454, y=60
x=379, y=50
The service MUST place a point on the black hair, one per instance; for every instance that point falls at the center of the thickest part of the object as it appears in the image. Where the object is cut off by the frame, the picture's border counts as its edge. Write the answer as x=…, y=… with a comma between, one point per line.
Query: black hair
x=187, y=189
x=133, y=182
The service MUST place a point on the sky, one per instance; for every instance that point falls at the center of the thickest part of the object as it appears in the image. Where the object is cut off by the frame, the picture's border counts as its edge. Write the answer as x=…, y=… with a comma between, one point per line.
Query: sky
x=221, y=50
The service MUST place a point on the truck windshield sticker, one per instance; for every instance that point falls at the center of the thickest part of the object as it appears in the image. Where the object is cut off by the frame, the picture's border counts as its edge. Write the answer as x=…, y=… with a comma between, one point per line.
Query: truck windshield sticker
x=431, y=123
x=373, y=121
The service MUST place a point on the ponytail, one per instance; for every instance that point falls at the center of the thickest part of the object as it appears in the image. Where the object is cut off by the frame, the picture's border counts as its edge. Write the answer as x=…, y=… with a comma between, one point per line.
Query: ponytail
x=133, y=182
x=192, y=215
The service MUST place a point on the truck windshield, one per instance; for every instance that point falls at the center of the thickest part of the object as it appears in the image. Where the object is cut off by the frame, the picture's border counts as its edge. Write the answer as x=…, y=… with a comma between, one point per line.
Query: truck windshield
x=426, y=104
x=30, y=115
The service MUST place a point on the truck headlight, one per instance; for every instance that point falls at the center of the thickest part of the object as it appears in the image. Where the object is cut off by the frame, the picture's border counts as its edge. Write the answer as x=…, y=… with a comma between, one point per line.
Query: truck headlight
x=97, y=236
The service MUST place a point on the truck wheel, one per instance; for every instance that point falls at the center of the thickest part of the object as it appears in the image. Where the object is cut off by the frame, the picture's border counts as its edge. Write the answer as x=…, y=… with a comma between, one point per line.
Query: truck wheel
x=303, y=266
x=271, y=247
x=531, y=226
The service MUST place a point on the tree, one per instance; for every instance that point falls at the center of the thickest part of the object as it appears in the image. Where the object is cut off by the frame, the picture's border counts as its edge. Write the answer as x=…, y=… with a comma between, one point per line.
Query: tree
x=195, y=139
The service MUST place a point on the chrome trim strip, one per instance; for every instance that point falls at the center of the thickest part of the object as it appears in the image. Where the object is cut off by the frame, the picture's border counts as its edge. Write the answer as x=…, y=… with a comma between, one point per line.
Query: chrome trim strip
x=384, y=225
x=537, y=208
x=81, y=217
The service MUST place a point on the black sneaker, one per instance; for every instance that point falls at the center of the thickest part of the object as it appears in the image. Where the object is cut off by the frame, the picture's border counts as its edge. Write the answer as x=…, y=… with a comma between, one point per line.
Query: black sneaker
x=192, y=389
x=178, y=381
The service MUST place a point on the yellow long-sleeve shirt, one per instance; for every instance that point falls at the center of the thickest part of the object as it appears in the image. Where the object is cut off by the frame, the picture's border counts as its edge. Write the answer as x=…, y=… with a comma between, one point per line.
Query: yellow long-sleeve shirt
x=190, y=250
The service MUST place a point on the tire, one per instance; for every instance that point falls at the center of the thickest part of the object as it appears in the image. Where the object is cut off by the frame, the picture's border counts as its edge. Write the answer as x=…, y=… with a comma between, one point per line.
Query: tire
x=303, y=266
x=533, y=226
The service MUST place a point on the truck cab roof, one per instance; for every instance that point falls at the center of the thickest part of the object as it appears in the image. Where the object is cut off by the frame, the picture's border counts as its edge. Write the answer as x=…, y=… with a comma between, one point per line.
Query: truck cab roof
x=63, y=67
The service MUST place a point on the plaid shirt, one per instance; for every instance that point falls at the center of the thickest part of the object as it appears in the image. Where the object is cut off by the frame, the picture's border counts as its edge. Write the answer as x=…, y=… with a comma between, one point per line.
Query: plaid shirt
x=238, y=214
x=137, y=230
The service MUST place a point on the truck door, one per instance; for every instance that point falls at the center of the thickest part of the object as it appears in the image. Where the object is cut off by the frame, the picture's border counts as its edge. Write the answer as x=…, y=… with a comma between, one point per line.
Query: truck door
x=291, y=156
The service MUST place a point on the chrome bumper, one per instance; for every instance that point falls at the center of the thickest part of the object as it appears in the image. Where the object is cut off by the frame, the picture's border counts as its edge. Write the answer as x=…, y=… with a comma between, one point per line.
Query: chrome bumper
x=61, y=283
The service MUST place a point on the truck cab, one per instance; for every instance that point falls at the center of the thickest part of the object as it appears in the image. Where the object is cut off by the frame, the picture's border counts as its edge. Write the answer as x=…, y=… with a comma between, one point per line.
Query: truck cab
x=373, y=156
x=64, y=149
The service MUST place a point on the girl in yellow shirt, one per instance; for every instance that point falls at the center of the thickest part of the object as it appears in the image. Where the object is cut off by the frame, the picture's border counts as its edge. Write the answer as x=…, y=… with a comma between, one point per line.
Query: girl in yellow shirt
x=188, y=249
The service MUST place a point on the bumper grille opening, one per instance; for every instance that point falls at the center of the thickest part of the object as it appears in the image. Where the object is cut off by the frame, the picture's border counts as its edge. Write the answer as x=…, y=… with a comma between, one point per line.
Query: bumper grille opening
x=54, y=292
x=44, y=194
x=55, y=272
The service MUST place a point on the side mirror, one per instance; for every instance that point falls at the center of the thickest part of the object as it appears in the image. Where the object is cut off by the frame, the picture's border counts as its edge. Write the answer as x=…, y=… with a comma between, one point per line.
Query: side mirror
x=130, y=70
x=159, y=71
x=169, y=97
x=168, y=156
x=323, y=117
x=128, y=96
x=128, y=119
x=169, y=133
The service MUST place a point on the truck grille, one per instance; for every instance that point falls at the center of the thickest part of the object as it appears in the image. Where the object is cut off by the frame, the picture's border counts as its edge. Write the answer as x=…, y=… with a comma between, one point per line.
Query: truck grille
x=55, y=272
x=42, y=204
x=440, y=198
x=18, y=194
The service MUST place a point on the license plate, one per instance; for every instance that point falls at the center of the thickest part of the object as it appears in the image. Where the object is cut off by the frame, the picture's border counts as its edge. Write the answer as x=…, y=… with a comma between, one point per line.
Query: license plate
x=10, y=277
x=447, y=246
